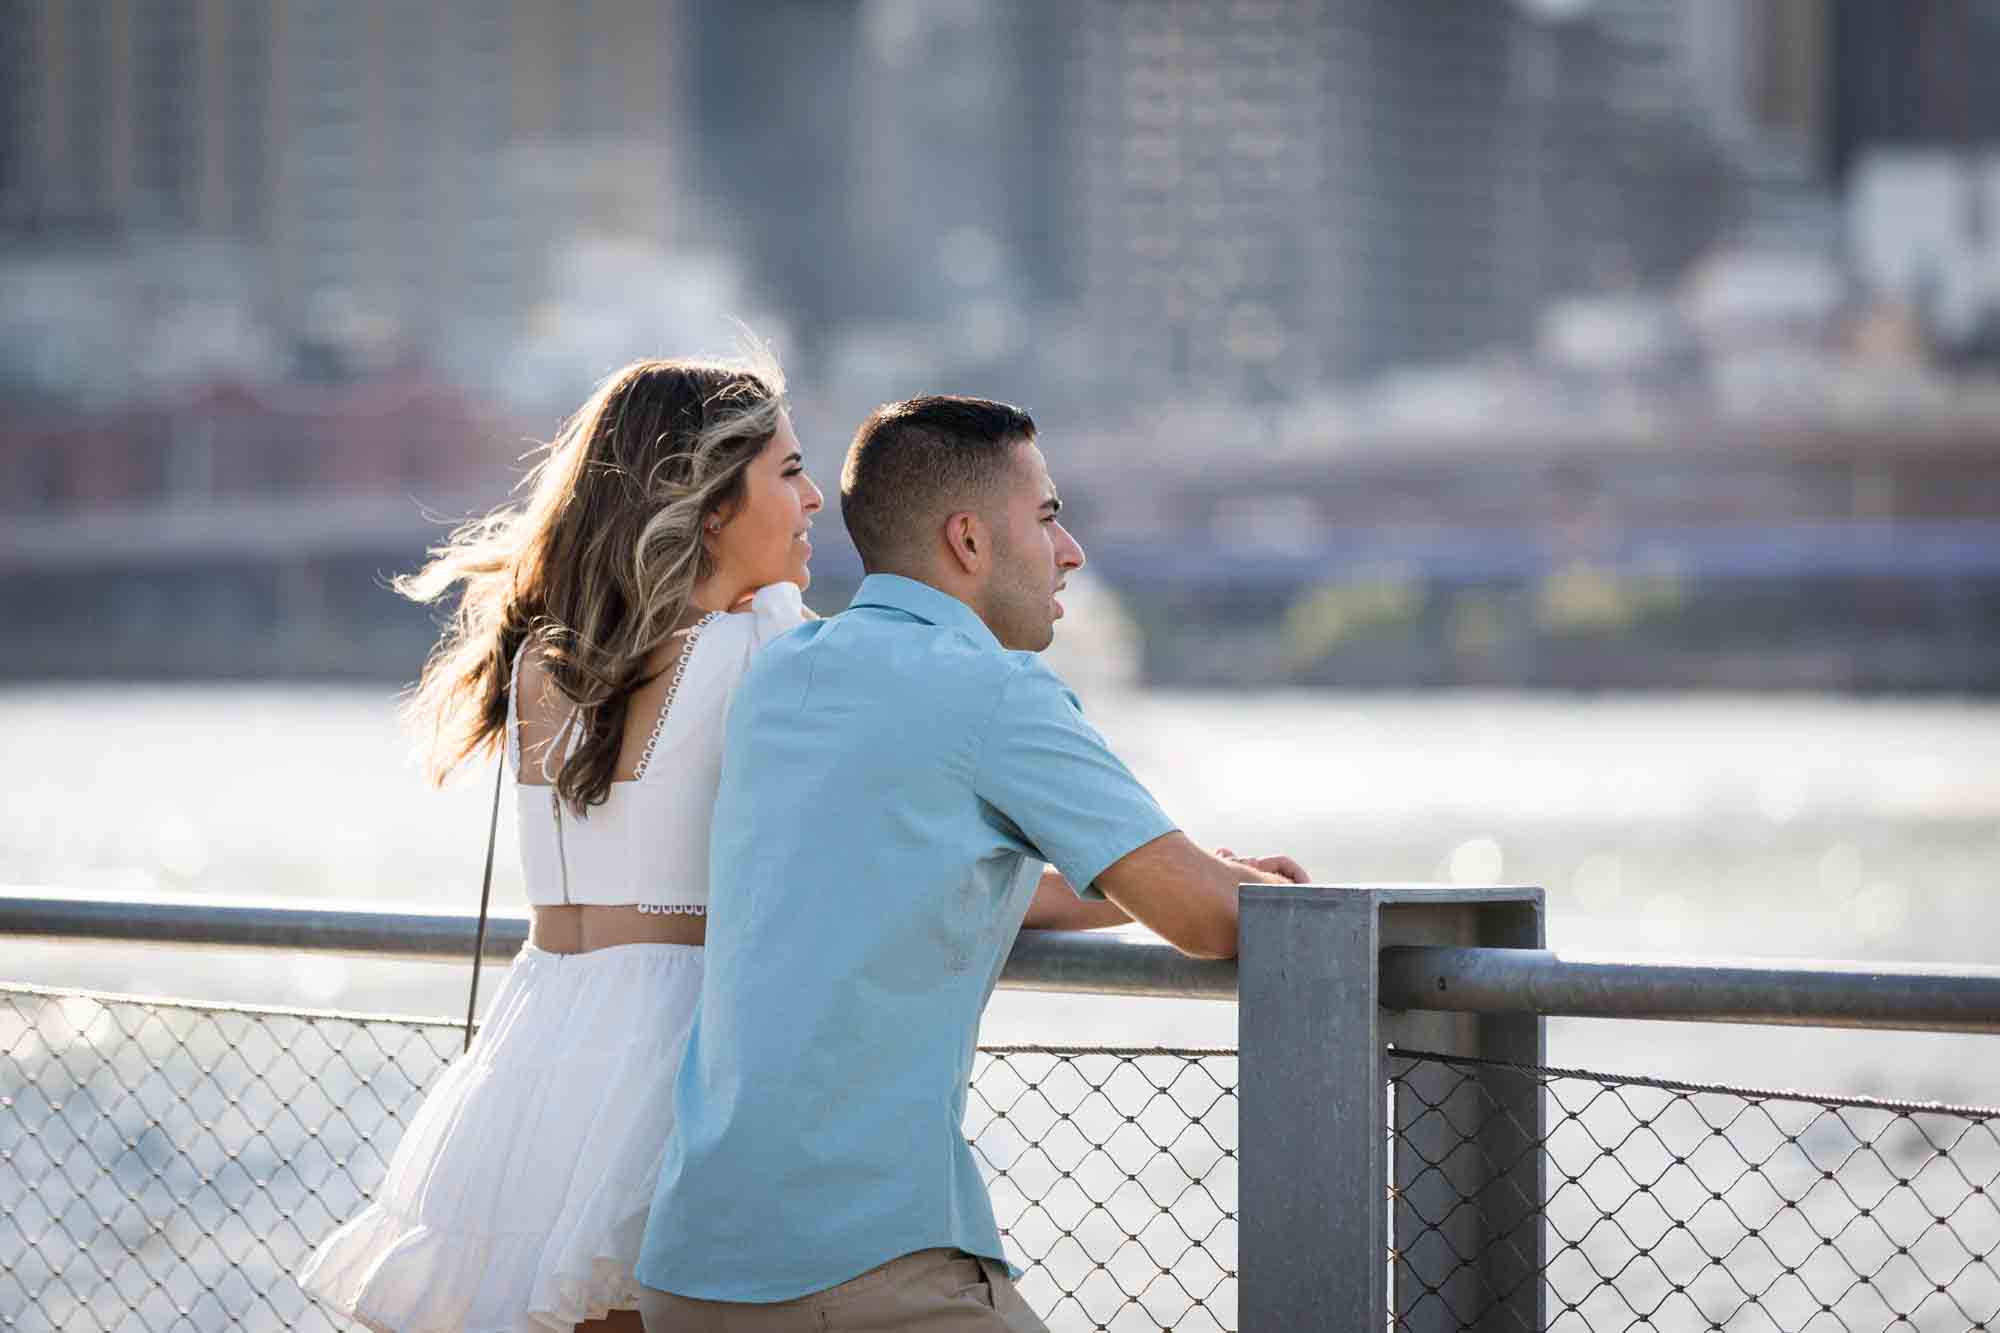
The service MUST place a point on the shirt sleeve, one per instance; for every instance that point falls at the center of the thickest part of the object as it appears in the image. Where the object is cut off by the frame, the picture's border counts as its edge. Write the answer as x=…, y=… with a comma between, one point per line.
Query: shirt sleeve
x=1050, y=774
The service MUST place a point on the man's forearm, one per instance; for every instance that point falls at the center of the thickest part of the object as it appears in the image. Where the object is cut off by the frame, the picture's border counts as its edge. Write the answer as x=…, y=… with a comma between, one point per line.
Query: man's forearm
x=1187, y=895
x=1056, y=907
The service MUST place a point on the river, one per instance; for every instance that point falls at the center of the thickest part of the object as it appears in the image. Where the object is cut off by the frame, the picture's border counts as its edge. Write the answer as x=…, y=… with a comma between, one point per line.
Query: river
x=1671, y=824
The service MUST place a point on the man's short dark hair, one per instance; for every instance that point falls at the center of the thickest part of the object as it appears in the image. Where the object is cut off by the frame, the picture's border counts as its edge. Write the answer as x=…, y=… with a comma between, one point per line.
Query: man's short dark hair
x=913, y=462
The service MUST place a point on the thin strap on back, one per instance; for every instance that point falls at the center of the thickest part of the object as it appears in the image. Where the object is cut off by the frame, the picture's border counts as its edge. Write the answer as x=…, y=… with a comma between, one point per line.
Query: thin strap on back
x=513, y=710
x=567, y=738
x=673, y=689
x=571, y=736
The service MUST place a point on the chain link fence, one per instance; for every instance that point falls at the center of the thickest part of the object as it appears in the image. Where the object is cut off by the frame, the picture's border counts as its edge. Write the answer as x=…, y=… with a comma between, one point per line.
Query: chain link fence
x=1113, y=1175
x=1687, y=1206
x=167, y=1165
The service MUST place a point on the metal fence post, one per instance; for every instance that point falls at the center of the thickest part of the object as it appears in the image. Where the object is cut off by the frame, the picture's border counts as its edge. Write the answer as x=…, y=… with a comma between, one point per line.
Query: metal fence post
x=1313, y=1207
x=1513, y=1141
x=1315, y=1222
x=1466, y=1145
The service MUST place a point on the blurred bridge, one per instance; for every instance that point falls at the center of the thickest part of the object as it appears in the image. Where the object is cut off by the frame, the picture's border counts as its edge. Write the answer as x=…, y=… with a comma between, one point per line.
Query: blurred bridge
x=393, y=532
x=1826, y=561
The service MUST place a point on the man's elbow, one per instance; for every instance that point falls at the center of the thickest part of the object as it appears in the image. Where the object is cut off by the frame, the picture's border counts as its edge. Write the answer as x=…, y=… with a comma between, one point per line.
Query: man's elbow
x=1207, y=939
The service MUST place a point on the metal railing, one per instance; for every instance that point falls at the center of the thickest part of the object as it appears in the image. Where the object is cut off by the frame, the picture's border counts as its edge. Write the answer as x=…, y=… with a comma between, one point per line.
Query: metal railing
x=1043, y=960
x=1113, y=1177
x=170, y=1165
x=1906, y=996
x=1396, y=1036
x=167, y=1164
x=1686, y=1205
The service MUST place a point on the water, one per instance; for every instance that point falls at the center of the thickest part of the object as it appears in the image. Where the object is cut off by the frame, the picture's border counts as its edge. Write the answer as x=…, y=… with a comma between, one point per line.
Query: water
x=1794, y=826
x=1803, y=827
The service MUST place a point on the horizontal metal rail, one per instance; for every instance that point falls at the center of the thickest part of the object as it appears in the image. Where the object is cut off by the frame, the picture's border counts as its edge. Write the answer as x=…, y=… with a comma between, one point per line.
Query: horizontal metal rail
x=211, y=923
x=1920, y=997
x=1094, y=963
x=1795, y=993
x=1097, y=964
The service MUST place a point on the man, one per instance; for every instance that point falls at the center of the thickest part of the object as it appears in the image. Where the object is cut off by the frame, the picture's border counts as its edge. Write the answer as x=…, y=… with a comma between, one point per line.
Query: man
x=894, y=779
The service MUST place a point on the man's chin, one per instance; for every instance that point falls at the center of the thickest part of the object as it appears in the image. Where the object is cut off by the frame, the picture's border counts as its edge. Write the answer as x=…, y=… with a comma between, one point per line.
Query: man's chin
x=1033, y=642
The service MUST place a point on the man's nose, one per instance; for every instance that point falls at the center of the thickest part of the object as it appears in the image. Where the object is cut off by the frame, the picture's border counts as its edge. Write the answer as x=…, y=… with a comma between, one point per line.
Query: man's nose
x=1069, y=551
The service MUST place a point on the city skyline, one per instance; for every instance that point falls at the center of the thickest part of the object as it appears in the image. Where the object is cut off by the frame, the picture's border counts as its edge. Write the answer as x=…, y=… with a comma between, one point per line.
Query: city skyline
x=1419, y=340
x=1243, y=206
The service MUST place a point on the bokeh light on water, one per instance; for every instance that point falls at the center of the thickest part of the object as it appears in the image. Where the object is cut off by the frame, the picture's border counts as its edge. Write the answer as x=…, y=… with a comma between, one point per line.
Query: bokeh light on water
x=1648, y=819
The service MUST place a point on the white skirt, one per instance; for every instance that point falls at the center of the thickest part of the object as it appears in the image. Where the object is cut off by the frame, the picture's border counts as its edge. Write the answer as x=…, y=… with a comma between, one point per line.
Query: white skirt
x=517, y=1198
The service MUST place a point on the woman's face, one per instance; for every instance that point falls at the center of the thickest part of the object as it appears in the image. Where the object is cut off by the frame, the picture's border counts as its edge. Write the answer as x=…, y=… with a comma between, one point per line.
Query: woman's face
x=763, y=539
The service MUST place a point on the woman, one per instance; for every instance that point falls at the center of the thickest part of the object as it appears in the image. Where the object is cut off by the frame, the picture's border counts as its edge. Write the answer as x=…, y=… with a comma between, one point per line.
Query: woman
x=600, y=630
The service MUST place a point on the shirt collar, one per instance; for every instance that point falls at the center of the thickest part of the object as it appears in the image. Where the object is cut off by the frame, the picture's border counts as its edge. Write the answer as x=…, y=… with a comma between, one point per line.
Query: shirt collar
x=931, y=605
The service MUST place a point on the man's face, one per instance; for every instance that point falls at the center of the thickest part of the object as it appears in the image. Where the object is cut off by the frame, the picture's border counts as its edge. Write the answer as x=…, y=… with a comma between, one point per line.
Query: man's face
x=1033, y=555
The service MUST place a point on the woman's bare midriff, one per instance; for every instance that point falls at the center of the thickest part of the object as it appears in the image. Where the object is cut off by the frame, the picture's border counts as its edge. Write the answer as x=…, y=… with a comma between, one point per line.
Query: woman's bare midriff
x=586, y=927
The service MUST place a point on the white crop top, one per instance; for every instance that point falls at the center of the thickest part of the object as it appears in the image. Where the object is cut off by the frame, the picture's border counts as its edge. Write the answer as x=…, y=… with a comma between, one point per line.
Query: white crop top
x=647, y=844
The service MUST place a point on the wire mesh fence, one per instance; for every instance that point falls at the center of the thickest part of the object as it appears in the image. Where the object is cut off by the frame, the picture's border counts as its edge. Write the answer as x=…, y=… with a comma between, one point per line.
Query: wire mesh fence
x=1113, y=1175
x=167, y=1165
x=1685, y=1206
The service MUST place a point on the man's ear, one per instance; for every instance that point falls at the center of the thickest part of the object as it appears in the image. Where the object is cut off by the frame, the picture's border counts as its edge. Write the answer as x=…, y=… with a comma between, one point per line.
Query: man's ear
x=967, y=539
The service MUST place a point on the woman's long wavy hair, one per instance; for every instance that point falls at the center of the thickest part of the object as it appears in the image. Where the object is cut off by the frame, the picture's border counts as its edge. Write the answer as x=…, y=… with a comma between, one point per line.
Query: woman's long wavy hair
x=597, y=566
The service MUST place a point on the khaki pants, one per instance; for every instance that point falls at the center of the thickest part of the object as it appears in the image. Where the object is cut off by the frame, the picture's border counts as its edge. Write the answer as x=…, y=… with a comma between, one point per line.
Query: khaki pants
x=949, y=1291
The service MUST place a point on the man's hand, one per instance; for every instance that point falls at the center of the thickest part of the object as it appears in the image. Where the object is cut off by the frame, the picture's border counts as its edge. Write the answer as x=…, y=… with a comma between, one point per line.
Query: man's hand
x=1283, y=866
x=1187, y=895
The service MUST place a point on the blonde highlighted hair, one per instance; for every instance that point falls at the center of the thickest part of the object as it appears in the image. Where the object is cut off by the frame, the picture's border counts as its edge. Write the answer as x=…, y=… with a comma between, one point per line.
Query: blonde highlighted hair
x=597, y=565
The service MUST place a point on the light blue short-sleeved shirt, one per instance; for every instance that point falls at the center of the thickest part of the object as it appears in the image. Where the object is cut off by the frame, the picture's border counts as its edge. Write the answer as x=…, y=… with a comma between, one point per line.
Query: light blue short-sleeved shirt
x=893, y=781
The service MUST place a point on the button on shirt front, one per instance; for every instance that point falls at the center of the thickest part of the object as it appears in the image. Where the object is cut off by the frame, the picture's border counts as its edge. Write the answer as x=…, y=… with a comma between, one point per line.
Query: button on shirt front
x=893, y=781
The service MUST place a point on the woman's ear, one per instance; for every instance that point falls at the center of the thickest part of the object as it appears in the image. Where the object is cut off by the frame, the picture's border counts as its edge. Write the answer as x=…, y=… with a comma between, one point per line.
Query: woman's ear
x=716, y=519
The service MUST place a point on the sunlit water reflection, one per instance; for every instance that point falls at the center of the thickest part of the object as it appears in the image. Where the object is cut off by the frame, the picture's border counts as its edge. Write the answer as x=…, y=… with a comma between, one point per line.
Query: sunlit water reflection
x=1808, y=827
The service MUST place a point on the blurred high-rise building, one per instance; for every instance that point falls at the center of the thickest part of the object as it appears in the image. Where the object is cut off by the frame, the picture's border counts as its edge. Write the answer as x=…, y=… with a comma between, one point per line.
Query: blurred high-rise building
x=1915, y=145
x=1913, y=75
x=136, y=113
x=893, y=160
x=1308, y=190
x=1207, y=224
x=432, y=155
x=1234, y=201
x=1761, y=73
x=398, y=171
